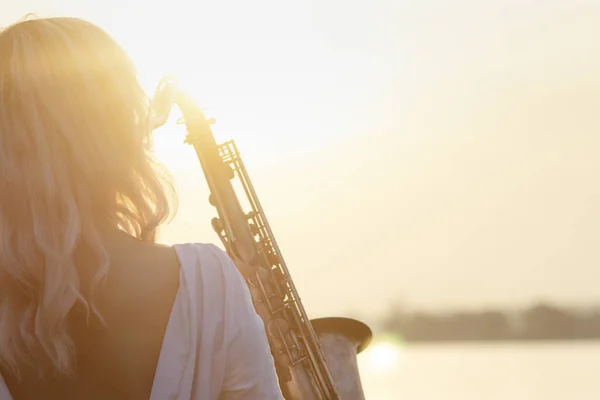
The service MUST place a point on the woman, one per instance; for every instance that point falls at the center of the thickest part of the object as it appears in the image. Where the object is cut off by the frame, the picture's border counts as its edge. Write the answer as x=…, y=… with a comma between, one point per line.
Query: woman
x=90, y=307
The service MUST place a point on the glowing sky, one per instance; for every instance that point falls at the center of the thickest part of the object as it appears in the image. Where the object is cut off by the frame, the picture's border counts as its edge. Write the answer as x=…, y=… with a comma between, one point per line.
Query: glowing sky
x=443, y=153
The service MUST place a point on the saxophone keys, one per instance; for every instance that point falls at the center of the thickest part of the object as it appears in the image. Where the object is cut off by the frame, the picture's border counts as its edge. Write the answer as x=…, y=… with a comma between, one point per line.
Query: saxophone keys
x=217, y=225
x=253, y=229
x=278, y=327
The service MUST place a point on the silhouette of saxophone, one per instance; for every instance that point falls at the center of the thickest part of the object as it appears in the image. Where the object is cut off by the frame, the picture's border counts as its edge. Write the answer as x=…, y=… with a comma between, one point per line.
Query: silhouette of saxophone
x=314, y=359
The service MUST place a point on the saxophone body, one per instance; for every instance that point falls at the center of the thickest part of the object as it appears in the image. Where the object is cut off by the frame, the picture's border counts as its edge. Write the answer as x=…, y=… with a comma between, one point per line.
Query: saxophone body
x=314, y=359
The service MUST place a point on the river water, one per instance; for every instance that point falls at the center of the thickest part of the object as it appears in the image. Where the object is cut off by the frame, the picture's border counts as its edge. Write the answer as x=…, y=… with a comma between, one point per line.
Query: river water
x=507, y=371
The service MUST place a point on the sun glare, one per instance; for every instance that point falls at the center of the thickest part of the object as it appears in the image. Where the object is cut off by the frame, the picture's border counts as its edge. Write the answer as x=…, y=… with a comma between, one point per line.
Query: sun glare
x=271, y=83
x=383, y=355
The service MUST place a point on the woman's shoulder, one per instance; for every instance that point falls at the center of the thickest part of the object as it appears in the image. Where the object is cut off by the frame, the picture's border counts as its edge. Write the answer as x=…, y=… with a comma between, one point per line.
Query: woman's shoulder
x=209, y=266
x=203, y=256
x=215, y=291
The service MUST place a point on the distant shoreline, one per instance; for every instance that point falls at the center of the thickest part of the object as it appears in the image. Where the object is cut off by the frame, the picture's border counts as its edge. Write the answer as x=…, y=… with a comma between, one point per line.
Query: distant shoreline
x=540, y=322
x=499, y=341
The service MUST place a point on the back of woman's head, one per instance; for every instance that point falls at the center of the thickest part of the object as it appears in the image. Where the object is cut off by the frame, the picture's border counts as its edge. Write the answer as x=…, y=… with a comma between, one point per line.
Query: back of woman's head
x=75, y=157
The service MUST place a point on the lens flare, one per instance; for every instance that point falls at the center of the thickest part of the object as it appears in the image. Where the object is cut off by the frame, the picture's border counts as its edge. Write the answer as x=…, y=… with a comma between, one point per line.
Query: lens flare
x=384, y=354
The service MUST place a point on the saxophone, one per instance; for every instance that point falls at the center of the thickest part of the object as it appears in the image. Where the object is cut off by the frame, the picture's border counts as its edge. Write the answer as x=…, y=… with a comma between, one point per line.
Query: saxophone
x=314, y=359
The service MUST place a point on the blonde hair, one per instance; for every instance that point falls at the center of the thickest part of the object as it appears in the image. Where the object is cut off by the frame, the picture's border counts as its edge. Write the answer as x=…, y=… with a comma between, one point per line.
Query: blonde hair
x=75, y=155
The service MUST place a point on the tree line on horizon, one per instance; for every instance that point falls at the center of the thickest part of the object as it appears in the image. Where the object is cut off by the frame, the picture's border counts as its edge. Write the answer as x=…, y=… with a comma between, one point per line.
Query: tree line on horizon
x=542, y=321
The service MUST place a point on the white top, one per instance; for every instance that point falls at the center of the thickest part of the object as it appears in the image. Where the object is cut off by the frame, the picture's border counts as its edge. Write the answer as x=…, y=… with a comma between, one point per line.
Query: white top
x=215, y=346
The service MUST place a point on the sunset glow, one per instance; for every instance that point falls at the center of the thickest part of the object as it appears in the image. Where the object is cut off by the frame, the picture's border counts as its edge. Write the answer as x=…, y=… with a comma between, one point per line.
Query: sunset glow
x=383, y=356
x=432, y=166
x=443, y=154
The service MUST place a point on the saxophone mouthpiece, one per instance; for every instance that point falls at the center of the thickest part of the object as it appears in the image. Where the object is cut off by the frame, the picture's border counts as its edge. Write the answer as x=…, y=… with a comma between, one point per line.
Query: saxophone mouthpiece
x=162, y=103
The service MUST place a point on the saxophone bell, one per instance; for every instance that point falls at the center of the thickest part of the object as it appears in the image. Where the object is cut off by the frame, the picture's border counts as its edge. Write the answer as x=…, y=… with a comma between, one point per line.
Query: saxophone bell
x=341, y=340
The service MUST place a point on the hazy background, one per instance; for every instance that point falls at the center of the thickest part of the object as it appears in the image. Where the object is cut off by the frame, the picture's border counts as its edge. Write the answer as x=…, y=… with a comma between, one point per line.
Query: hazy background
x=439, y=153
x=444, y=153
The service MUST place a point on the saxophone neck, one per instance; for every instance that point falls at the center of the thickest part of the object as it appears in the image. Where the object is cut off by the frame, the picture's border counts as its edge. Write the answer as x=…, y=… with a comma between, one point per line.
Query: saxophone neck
x=165, y=96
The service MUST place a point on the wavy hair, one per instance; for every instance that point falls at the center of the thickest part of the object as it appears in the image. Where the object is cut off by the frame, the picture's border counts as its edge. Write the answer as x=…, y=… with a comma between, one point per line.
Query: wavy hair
x=75, y=156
